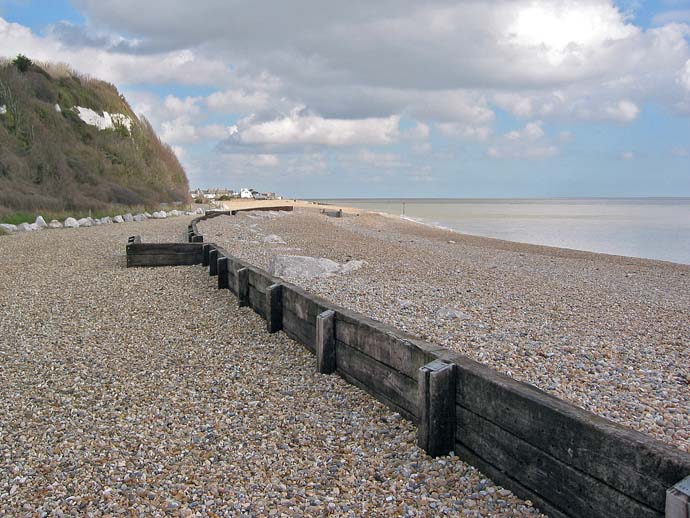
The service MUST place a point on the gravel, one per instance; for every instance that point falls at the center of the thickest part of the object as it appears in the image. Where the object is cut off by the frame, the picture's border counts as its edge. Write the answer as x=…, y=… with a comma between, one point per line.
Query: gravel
x=148, y=392
x=609, y=334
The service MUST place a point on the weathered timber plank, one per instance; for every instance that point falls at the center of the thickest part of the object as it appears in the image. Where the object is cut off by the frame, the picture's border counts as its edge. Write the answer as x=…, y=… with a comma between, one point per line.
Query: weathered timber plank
x=436, y=408
x=260, y=279
x=325, y=342
x=566, y=488
x=162, y=260
x=242, y=287
x=303, y=304
x=206, y=250
x=377, y=377
x=133, y=239
x=213, y=262
x=274, y=308
x=377, y=395
x=501, y=478
x=162, y=248
x=223, y=273
x=629, y=461
x=382, y=343
x=298, y=329
x=257, y=301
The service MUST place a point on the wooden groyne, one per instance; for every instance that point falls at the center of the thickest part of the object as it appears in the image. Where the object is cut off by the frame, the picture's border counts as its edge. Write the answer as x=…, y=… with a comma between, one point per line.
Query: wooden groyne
x=568, y=461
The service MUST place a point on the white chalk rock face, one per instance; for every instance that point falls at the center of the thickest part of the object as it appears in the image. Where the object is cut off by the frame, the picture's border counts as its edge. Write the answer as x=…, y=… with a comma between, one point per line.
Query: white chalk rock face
x=54, y=224
x=128, y=218
x=8, y=227
x=302, y=266
x=85, y=222
x=24, y=227
x=118, y=219
x=274, y=239
x=71, y=223
x=40, y=222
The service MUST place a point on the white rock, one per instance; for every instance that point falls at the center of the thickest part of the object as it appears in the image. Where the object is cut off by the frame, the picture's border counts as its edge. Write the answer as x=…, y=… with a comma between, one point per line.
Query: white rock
x=71, y=223
x=85, y=222
x=351, y=266
x=147, y=215
x=24, y=227
x=199, y=210
x=128, y=217
x=107, y=220
x=96, y=222
x=54, y=224
x=175, y=212
x=40, y=222
x=274, y=239
x=140, y=217
x=57, y=108
x=3, y=109
x=302, y=266
x=8, y=227
x=452, y=314
x=160, y=215
x=118, y=219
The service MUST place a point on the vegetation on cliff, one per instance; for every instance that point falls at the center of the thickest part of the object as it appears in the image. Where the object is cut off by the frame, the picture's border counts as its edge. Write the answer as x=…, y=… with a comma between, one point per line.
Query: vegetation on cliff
x=72, y=143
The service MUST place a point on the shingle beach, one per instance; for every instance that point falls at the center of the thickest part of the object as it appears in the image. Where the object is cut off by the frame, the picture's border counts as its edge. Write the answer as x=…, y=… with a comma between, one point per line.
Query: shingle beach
x=147, y=392
x=609, y=334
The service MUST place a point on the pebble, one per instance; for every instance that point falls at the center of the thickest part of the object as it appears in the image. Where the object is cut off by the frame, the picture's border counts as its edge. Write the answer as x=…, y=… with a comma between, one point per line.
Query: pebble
x=147, y=391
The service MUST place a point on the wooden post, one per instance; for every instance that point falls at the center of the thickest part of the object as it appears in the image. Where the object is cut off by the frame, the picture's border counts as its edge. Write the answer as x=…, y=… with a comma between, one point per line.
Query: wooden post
x=436, y=408
x=678, y=500
x=213, y=262
x=205, y=253
x=325, y=342
x=223, y=274
x=274, y=308
x=243, y=287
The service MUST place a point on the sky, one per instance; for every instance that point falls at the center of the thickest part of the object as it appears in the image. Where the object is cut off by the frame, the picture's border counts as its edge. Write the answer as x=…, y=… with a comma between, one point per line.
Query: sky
x=393, y=98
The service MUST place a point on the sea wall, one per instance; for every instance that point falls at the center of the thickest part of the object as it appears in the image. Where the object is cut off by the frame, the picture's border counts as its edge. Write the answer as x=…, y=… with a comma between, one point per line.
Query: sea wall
x=568, y=461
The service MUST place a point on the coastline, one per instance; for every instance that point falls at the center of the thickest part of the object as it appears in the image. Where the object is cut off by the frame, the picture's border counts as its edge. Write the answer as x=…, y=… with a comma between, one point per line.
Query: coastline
x=607, y=333
x=480, y=239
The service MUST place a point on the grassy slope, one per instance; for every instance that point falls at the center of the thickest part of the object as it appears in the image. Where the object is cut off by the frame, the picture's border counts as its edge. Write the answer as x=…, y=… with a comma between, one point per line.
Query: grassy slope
x=52, y=161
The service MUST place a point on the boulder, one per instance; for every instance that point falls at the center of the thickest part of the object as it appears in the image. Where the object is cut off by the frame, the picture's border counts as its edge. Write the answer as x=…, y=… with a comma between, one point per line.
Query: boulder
x=274, y=239
x=199, y=210
x=160, y=215
x=107, y=220
x=452, y=314
x=71, y=223
x=54, y=224
x=85, y=222
x=40, y=222
x=97, y=222
x=147, y=215
x=140, y=217
x=351, y=266
x=174, y=213
x=9, y=228
x=128, y=217
x=118, y=219
x=302, y=266
x=24, y=227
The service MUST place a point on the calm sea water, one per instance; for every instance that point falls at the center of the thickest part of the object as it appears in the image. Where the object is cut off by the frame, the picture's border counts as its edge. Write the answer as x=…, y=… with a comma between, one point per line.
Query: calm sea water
x=654, y=228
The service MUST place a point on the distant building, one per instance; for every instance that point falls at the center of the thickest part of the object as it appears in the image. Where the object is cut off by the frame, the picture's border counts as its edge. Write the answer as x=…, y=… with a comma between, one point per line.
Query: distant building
x=224, y=194
x=246, y=193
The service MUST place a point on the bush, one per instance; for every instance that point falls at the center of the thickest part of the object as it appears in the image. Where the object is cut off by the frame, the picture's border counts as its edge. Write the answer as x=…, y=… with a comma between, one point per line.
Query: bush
x=22, y=63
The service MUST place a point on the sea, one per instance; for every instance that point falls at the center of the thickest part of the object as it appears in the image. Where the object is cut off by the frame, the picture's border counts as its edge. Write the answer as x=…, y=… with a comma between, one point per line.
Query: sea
x=652, y=228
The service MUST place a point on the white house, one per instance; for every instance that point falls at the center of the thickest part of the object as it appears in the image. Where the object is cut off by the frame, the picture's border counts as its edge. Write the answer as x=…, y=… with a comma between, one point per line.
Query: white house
x=246, y=193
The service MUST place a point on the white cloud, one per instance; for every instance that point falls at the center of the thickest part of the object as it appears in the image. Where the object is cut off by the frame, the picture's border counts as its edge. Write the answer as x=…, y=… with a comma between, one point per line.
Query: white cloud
x=627, y=155
x=681, y=152
x=529, y=142
x=463, y=131
x=684, y=76
x=300, y=128
x=622, y=111
x=238, y=101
